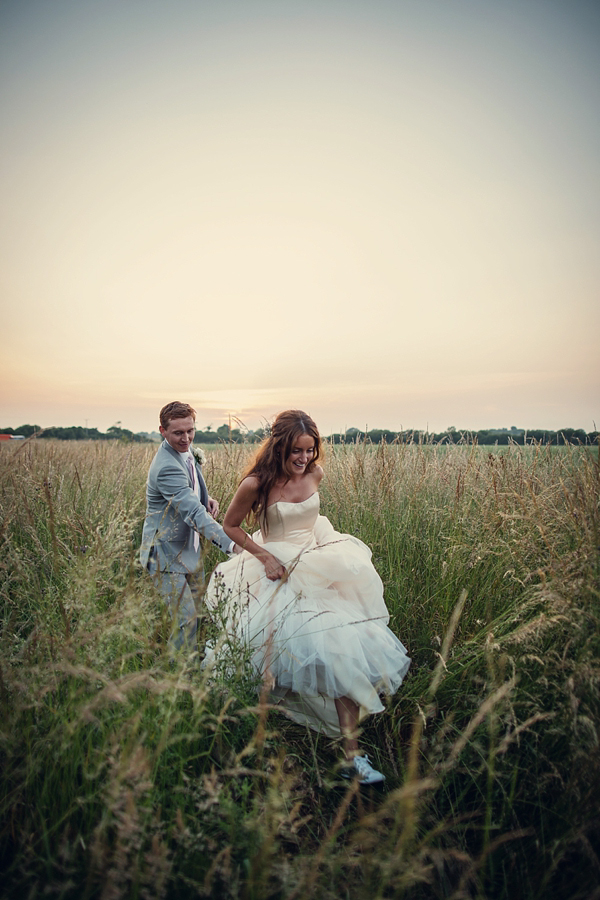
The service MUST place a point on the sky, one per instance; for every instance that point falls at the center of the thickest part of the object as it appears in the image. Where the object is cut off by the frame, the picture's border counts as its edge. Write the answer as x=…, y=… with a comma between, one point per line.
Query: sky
x=384, y=213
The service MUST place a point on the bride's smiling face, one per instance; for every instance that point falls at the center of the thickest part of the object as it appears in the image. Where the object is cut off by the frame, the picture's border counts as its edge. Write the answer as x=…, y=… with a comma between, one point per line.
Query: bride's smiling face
x=301, y=454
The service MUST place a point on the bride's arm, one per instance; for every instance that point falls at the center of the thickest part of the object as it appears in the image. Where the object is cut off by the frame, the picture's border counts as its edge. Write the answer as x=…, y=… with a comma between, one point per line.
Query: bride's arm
x=239, y=508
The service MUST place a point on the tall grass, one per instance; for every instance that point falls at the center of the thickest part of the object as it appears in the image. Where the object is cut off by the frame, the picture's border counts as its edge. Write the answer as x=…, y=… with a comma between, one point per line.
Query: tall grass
x=126, y=776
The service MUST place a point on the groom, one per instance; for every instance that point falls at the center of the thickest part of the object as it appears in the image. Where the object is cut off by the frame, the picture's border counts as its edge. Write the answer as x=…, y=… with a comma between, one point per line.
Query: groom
x=178, y=511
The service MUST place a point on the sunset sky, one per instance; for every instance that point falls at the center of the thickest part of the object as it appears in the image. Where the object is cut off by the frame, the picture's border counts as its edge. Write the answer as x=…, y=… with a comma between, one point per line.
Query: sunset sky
x=385, y=213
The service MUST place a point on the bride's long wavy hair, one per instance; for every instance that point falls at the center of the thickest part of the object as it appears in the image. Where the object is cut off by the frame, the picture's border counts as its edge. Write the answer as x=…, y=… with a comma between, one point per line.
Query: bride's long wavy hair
x=269, y=461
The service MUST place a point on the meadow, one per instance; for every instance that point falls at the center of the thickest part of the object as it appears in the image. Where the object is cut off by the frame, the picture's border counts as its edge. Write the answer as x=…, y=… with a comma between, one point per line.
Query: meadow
x=125, y=776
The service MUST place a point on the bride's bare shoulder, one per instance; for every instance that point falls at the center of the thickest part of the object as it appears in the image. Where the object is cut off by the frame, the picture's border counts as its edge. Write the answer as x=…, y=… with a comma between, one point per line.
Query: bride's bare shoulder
x=318, y=473
x=243, y=499
x=249, y=486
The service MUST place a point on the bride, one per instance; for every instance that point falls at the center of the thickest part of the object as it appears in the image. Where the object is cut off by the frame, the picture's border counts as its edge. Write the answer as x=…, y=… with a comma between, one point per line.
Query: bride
x=306, y=599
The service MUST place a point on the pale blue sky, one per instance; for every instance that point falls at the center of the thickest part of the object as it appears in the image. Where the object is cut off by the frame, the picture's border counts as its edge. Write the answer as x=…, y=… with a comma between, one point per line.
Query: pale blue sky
x=384, y=213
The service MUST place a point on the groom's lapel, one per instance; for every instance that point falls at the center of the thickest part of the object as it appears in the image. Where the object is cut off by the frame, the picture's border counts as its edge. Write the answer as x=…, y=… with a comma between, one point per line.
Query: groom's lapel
x=201, y=482
x=177, y=456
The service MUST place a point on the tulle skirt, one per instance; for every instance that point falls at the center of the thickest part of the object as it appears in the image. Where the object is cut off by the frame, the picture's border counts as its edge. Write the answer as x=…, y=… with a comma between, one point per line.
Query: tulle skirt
x=319, y=634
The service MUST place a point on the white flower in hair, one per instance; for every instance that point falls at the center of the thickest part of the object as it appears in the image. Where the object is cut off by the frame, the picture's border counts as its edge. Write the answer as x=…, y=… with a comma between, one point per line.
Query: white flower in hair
x=199, y=455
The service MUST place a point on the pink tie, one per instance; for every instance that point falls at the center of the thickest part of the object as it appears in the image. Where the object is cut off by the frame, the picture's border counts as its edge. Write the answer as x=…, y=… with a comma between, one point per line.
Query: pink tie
x=190, y=466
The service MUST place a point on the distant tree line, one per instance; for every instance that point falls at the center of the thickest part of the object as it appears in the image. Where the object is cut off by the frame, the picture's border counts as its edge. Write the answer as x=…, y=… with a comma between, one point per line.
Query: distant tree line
x=78, y=433
x=452, y=435
x=225, y=435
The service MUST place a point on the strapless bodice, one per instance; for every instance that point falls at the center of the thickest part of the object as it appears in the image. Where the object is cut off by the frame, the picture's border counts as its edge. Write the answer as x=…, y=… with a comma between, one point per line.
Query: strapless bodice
x=293, y=522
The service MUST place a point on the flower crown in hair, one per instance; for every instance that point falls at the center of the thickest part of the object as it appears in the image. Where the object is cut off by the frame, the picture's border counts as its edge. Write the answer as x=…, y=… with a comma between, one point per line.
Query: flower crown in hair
x=199, y=455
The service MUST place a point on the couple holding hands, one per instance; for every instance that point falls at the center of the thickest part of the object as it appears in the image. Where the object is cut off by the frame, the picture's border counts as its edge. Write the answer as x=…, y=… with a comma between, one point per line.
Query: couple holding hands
x=305, y=598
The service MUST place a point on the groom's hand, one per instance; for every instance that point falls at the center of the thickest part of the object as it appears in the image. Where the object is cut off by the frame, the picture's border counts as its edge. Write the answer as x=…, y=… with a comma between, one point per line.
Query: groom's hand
x=213, y=507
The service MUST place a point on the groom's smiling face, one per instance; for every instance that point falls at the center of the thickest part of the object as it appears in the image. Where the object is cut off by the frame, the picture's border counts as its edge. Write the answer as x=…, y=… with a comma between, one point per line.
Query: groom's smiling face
x=179, y=433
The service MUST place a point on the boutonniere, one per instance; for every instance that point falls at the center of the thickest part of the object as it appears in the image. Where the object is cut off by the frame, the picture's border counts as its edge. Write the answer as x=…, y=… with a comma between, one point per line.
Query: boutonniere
x=199, y=455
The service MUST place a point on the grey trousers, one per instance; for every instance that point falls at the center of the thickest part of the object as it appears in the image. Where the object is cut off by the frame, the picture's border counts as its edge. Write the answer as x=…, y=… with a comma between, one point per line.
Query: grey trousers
x=177, y=589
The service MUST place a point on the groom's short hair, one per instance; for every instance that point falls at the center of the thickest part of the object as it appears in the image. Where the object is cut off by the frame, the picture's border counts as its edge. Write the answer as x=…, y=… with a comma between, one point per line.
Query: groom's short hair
x=175, y=410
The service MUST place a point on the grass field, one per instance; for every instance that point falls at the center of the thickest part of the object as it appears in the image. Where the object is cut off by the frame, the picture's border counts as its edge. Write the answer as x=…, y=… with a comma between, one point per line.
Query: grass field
x=125, y=777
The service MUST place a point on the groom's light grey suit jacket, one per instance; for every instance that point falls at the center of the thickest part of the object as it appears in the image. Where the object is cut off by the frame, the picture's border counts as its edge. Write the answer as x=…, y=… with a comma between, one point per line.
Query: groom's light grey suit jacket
x=174, y=512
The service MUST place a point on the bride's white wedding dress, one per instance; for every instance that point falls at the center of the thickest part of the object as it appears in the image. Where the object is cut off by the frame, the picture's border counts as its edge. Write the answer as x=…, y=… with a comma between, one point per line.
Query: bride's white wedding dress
x=321, y=633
